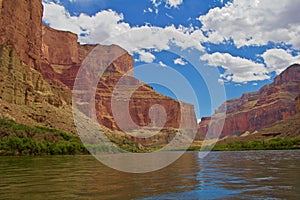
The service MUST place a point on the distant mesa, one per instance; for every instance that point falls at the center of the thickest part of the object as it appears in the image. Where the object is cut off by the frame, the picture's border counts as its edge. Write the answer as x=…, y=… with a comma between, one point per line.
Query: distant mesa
x=258, y=110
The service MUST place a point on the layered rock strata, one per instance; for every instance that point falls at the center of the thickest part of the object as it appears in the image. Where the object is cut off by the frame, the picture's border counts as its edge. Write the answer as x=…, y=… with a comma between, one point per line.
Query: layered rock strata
x=258, y=110
x=64, y=68
x=38, y=67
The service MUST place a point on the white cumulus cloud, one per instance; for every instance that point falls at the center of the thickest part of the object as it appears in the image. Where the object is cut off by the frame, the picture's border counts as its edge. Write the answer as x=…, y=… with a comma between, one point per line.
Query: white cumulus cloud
x=59, y=18
x=173, y=3
x=279, y=59
x=162, y=64
x=180, y=61
x=239, y=70
x=108, y=24
x=146, y=56
x=168, y=3
x=254, y=22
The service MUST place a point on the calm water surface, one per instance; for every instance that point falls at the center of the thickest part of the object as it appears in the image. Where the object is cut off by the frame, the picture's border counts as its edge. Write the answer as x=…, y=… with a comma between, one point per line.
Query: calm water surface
x=220, y=175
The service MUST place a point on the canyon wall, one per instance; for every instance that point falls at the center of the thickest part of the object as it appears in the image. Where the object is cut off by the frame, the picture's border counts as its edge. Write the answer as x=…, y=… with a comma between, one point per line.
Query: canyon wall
x=20, y=26
x=38, y=67
x=25, y=95
x=258, y=110
x=65, y=56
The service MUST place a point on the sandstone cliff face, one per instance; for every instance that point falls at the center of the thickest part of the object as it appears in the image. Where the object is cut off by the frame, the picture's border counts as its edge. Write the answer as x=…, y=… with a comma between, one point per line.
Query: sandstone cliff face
x=27, y=98
x=22, y=85
x=25, y=95
x=64, y=68
x=258, y=110
x=61, y=50
x=20, y=26
x=38, y=67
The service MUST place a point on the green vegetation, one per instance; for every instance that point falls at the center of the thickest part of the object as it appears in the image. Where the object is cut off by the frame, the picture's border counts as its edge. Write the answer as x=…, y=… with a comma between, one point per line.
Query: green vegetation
x=19, y=139
x=272, y=144
x=27, y=146
x=125, y=143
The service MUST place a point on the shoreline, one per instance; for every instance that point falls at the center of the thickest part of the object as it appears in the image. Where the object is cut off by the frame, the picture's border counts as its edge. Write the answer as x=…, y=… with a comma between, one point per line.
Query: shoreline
x=187, y=151
x=21, y=140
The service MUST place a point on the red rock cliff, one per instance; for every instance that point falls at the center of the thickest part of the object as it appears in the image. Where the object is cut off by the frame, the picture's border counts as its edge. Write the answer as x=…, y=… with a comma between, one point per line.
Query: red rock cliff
x=25, y=95
x=20, y=26
x=257, y=110
x=66, y=47
x=64, y=57
x=38, y=66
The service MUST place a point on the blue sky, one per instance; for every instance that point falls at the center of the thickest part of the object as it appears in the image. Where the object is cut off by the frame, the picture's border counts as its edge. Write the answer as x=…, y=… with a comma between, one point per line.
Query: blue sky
x=236, y=46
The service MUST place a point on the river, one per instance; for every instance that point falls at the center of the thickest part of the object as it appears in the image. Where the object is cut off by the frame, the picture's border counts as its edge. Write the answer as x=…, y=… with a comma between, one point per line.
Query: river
x=220, y=175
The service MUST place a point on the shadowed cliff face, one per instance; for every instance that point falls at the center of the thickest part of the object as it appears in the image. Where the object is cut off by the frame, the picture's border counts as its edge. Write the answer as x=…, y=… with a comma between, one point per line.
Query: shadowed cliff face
x=298, y=102
x=38, y=68
x=258, y=110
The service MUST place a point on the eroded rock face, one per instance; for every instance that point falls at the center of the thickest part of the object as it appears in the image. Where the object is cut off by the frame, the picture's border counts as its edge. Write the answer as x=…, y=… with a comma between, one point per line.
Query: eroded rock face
x=25, y=95
x=66, y=47
x=28, y=98
x=22, y=85
x=258, y=110
x=289, y=75
x=38, y=67
x=65, y=70
x=20, y=27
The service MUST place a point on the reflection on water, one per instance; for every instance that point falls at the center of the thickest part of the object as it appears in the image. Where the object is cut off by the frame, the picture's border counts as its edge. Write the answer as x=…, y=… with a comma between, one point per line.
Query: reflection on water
x=220, y=175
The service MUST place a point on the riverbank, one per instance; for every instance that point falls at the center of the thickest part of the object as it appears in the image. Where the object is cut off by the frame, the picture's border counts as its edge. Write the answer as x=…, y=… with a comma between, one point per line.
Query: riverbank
x=18, y=140
x=21, y=140
x=270, y=144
